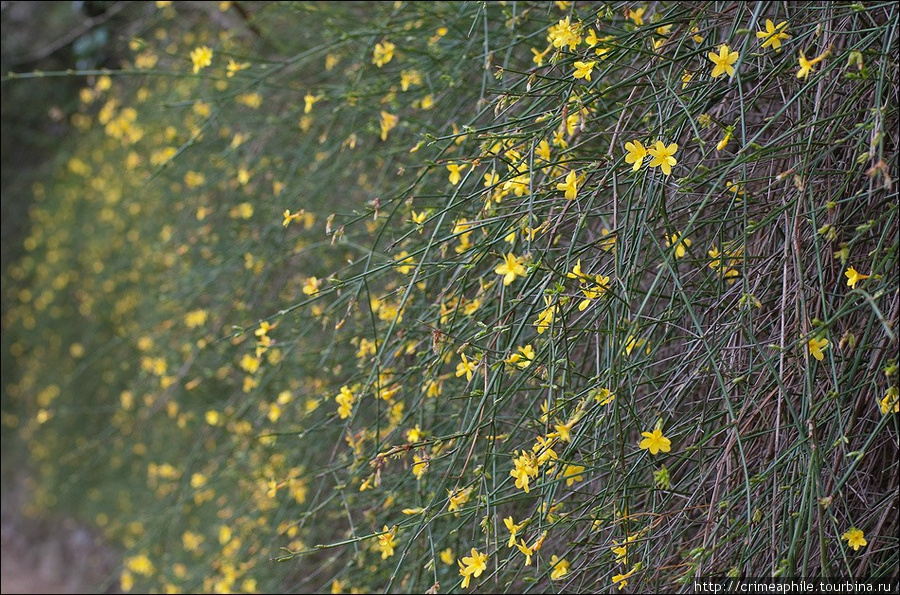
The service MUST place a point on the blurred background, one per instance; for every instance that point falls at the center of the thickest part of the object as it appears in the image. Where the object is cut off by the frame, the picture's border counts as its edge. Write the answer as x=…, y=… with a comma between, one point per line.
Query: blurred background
x=43, y=552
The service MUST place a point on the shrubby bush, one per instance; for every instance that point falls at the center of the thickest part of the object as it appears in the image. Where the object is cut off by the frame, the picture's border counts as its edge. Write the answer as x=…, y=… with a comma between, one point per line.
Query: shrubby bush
x=499, y=296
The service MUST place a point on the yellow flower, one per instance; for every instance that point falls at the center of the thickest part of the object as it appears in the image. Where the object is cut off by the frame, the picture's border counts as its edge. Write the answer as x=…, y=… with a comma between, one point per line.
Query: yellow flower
x=420, y=466
x=309, y=100
x=538, y=57
x=522, y=359
x=806, y=66
x=559, y=138
x=191, y=541
x=636, y=154
x=457, y=499
x=288, y=217
x=543, y=150
x=251, y=100
x=773, y=34
x=140, y=565
x=655, y=442
x=526, y=467
x=513, y=528
x=724, y=142
x=593, y=290
x=890, y=401
x=572, y=473
x=816, y=347
x=196, y=318
x=249, y=363
x=697, y=37
x=414, y=434
x=465, y=238
x=583, y=70
x=545, y=317
x=604, y=396
x=388, y=123
x=419, y=218
x=560, y=567
x=855, y=538
x=564, y=431
x=525, y=550
x=620, y=579
x=854, y=277
x=681, y=246
x=510, y=268
x=426, y=102
x=345, y=403
x=564, y=33
x=621, y=551
x=637, y=16
x=311, y=286
x=576, y=272
x=383, y=54
x=405, y=262
x=543, y=446
x=466, y=368
x=454, y=170
x=723, y=61
x=409, y=77
x=570, y=186
x=201, y=57
x=386, y=543
x=471, y=566
x=663, y=156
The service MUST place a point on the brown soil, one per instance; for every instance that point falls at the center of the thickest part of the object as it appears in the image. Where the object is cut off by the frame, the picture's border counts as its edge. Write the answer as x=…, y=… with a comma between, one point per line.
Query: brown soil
x=51, y=555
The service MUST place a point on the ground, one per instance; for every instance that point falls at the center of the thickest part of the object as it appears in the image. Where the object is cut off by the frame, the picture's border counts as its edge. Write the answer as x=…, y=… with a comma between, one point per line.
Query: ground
x=50, y=555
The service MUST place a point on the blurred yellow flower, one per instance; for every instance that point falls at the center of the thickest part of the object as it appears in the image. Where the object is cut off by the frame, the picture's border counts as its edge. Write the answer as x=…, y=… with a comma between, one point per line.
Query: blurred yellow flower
x=345, y=403
x=560, y=567
x=388, y=122
x=234, y=67
x=383, y=53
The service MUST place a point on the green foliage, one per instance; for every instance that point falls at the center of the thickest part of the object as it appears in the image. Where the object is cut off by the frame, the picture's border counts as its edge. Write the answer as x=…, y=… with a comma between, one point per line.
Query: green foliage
x=321, y=309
